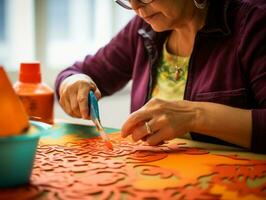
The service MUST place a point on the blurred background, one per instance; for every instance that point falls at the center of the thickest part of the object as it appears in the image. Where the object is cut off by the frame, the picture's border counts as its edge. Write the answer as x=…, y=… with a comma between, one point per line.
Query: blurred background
x=57, y=33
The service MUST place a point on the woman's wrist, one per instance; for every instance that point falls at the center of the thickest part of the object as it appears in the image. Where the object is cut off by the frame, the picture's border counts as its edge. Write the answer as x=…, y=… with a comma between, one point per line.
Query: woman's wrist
x=224, y=122
x=198, y=117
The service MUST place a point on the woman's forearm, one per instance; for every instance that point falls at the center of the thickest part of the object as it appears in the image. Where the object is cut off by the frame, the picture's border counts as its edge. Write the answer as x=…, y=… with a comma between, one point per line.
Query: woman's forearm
x=230, y=124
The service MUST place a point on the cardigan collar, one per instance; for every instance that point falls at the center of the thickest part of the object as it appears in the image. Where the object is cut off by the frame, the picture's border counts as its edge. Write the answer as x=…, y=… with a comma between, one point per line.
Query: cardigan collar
x=217, y=21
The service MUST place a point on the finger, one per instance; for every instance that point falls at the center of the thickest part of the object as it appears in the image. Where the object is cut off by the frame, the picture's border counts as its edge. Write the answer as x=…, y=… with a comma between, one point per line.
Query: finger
x=65, y=104
x=74, y=105
x=143, y=132
x=155, y=138
x=95, y=90
x=140, y=116
x=136, y=118
x=154, y=124
x=82, y=99
x=140, y=132
x=97, y=93
x=144, y=138
x=160, y=136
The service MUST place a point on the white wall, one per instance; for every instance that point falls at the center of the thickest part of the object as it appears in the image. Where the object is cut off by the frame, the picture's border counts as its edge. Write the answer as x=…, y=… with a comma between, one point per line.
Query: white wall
x=92, y=23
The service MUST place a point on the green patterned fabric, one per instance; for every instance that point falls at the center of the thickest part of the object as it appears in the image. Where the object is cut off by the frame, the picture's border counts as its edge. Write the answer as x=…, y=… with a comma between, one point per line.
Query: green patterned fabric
x=166, y=86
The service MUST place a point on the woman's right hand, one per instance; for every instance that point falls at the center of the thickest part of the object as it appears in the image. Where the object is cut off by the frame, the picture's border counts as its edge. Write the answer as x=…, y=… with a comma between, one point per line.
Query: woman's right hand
x=74, y=92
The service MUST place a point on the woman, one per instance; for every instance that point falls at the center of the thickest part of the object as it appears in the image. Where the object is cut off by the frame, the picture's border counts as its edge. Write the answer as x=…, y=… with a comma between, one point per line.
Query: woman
x=210, y=53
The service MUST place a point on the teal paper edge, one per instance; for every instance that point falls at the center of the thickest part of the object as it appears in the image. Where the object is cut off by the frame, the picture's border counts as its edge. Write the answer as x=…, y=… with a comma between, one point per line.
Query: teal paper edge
x=83, y=131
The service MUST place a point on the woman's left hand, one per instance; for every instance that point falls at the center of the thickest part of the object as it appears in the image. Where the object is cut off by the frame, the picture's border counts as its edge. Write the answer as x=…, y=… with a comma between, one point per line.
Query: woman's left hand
x=160, y=120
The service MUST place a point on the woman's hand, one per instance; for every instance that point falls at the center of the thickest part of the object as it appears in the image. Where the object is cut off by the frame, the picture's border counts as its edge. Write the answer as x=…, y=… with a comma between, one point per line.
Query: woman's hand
x=165, y=119
x=74, y=92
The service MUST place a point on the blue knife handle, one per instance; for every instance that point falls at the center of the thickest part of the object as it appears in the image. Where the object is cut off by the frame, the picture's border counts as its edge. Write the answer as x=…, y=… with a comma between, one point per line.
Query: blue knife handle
x=93, y=105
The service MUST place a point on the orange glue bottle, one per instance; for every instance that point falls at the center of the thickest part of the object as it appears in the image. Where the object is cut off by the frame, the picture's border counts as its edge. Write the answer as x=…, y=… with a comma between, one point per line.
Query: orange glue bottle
x=36, y=96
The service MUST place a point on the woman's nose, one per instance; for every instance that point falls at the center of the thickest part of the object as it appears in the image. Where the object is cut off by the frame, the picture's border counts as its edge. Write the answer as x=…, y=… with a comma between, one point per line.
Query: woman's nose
x=136, y=4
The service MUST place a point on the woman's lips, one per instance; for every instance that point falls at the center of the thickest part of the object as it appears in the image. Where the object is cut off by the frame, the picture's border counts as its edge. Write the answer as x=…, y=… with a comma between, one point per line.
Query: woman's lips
x=150, y=17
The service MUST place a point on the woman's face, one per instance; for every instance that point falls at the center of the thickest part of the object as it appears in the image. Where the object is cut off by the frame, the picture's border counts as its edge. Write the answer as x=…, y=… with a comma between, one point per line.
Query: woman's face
x=164, y=15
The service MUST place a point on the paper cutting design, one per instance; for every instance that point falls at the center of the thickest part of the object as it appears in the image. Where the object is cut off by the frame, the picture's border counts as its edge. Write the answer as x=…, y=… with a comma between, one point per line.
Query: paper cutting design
x=86, y=169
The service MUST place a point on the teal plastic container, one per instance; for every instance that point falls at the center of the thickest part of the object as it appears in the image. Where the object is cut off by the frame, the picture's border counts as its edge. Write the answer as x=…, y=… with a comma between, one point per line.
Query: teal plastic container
x=17, y=155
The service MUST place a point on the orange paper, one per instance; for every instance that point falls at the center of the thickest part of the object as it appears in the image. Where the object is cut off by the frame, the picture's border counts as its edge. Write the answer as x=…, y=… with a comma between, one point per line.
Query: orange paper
x=85, y=168
x=69, y=166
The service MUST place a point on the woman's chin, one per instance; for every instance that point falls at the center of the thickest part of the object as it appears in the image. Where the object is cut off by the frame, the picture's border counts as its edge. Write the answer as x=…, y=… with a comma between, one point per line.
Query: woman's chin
x=158, y=28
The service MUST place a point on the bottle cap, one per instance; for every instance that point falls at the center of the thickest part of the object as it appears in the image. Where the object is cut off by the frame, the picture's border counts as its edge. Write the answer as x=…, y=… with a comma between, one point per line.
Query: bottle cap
x=30, y=72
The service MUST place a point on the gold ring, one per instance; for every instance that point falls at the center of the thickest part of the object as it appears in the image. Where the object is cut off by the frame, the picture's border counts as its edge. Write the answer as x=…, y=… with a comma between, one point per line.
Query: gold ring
x=148, y=128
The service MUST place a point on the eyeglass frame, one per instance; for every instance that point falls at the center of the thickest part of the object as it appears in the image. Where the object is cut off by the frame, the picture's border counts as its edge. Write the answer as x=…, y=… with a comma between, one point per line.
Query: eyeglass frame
x=119, y=2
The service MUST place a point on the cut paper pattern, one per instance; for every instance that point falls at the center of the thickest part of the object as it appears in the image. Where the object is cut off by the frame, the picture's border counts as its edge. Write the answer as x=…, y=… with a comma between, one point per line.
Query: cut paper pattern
x=85, y=169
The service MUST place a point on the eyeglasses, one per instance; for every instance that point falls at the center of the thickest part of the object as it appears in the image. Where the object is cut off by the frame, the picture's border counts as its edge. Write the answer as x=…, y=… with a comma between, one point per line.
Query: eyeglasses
x=127, y=5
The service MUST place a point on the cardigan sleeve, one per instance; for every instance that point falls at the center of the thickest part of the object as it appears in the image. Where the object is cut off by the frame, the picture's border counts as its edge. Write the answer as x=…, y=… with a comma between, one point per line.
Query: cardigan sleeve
x=252, y=53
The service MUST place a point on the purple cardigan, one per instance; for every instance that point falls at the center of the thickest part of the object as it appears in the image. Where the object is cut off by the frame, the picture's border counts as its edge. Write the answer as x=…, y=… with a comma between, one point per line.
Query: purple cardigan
x=227, y=65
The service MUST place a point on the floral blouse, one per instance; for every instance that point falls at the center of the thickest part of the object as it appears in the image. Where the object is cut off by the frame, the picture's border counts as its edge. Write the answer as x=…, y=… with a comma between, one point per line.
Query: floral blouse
x=171, y=76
